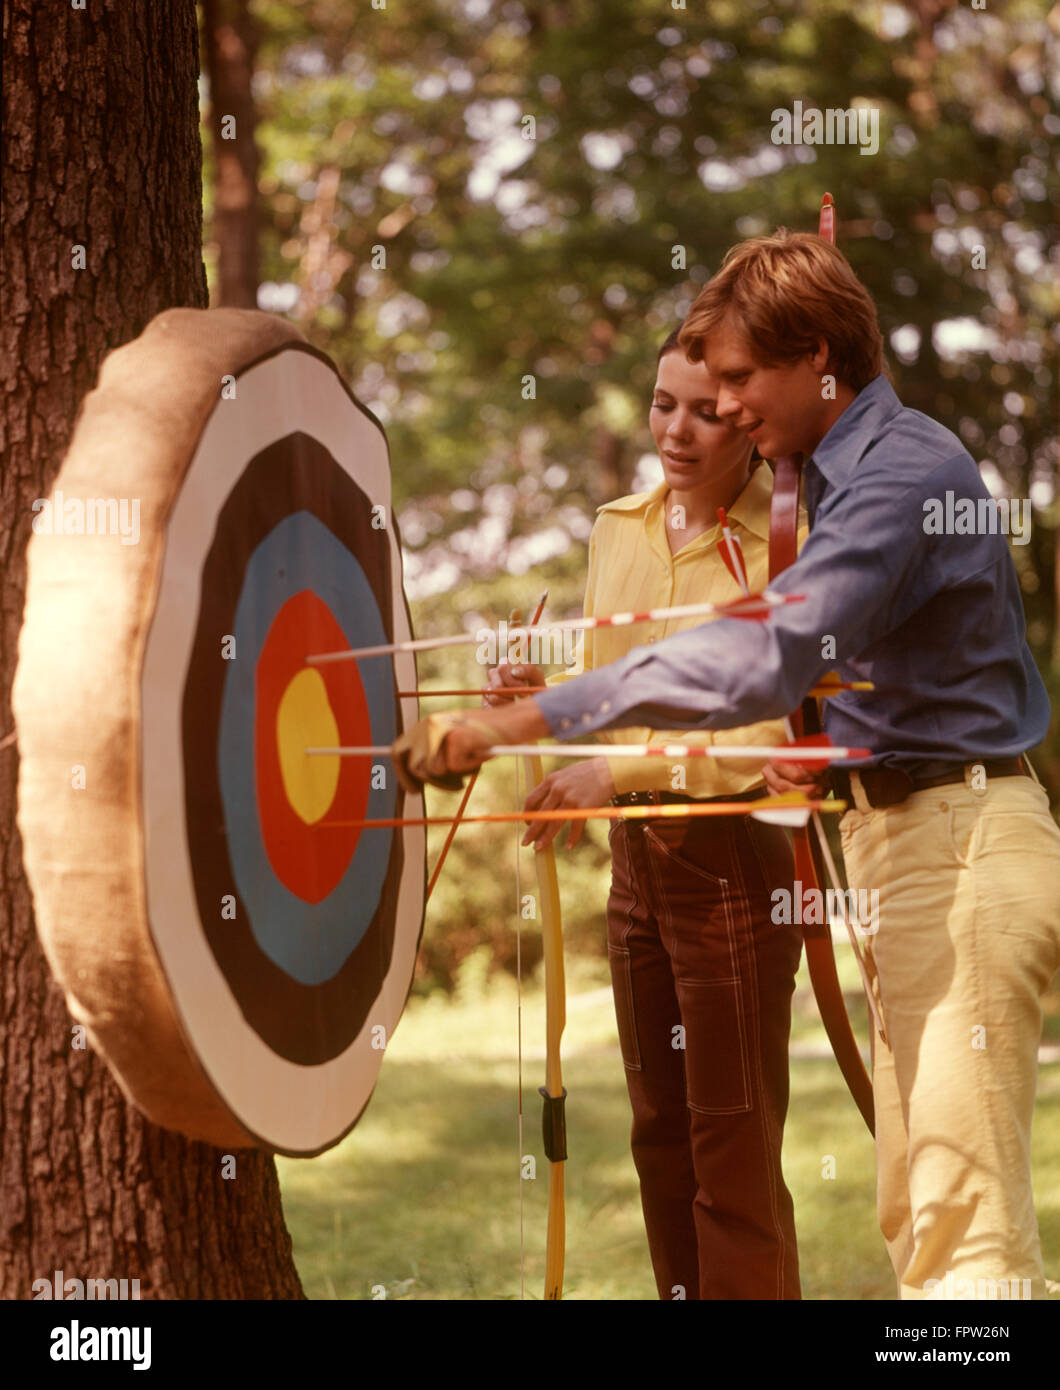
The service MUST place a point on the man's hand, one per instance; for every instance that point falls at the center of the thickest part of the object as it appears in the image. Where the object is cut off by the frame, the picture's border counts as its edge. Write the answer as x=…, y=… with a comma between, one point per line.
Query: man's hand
x=795, y=777
x=588, y=783
x=440, y=749
x=512, y=678
x=443, y=747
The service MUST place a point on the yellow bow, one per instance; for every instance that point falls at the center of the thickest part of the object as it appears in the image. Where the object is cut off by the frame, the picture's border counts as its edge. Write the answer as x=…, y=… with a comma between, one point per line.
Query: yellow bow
x=554, y=1122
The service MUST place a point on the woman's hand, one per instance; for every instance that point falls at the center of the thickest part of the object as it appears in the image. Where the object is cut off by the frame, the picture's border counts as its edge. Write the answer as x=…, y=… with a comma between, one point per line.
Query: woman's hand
x=782, y=778
x=588, y=783
x=513, y=678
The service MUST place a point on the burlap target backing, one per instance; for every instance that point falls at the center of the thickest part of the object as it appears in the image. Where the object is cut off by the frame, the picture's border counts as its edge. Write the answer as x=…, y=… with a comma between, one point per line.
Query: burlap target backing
x=237, y=955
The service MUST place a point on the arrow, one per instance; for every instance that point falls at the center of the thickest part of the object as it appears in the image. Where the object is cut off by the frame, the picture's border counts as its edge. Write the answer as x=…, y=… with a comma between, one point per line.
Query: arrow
x=794, y=809
x=756, y=606
x=827, y=685
x=813, y=749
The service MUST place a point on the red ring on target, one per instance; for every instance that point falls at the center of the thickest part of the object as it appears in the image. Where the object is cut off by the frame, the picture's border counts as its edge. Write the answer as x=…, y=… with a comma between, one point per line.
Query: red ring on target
x=308, y=862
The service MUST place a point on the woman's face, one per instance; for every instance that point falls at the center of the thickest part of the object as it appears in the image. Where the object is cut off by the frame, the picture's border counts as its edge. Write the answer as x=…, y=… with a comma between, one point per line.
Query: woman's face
x=696, y=448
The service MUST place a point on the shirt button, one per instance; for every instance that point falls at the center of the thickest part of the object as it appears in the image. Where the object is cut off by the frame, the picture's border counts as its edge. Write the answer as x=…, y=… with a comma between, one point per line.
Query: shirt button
x=564, y=723
x=605, y=707
x=587, y=718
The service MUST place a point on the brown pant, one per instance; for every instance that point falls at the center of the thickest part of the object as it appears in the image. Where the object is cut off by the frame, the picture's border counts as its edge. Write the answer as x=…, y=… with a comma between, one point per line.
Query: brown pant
x=703, y=983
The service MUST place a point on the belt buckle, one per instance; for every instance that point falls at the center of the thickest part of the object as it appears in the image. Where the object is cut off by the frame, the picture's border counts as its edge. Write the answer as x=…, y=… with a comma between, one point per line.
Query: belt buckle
x=641, y=798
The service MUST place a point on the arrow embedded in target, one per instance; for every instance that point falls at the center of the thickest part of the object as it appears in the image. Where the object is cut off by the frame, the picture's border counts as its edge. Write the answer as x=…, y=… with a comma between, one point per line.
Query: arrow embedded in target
x=754, y=606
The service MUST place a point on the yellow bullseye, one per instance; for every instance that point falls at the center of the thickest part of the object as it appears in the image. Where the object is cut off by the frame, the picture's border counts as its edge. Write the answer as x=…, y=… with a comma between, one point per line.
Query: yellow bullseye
x=304, y=719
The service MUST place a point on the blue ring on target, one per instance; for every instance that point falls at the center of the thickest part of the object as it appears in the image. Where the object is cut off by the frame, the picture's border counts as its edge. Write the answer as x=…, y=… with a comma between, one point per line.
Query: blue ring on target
x=310, y=942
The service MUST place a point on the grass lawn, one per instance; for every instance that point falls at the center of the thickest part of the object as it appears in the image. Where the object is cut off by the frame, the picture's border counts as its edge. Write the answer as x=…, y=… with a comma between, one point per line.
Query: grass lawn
x=423, y=1200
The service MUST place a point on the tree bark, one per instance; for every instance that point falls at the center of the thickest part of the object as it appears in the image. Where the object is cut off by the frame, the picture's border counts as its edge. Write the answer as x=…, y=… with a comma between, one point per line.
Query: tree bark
x=102, y=151
x=611, y=474
x=230, y=42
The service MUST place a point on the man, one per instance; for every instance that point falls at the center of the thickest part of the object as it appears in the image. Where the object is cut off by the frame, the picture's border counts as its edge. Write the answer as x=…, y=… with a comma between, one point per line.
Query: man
x=948, y=822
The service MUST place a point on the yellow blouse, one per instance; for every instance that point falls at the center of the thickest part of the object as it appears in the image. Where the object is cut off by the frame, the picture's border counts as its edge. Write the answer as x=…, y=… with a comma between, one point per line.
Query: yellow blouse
x=631, y=567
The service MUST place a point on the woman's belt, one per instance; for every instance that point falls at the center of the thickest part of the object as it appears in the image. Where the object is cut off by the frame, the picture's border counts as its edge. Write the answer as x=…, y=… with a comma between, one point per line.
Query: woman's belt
x=651, y=798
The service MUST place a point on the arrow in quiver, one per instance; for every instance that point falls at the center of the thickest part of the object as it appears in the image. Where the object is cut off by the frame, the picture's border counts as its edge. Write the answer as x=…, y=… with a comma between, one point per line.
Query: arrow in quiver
x=240, y=966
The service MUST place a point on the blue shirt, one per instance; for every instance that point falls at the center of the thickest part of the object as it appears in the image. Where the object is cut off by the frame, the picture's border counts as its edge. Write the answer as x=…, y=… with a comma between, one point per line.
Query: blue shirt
x=934, y=620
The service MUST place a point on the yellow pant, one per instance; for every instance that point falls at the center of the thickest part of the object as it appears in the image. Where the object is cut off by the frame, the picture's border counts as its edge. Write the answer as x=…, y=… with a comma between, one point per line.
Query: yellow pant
x=968, y=940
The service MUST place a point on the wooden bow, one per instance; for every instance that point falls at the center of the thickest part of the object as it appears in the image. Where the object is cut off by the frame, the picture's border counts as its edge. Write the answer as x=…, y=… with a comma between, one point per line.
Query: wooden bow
x=553, y=1115
x=554, y=1123
x=820, y=957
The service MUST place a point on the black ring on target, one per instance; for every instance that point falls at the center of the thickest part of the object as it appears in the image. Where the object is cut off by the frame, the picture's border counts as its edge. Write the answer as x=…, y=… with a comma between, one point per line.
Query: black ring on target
x=307, y=1024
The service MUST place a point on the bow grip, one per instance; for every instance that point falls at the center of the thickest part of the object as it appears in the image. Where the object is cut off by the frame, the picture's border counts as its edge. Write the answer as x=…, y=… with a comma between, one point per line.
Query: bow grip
x=554, y=1125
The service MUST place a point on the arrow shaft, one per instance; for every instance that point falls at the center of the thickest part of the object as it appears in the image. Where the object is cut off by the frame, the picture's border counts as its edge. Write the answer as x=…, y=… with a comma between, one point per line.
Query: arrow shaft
x=821, y=690
x=669, y=809
x=757, y=605
x=802, y=753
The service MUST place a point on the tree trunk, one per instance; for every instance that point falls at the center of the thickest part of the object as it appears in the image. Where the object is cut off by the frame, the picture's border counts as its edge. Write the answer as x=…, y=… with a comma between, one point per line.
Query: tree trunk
x=101, y=151
x=229, y=44
x=1056, y=589
x=611, y=475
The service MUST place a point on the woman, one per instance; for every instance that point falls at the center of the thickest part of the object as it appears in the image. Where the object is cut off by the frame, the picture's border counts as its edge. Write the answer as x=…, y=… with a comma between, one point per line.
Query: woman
x=702, y=977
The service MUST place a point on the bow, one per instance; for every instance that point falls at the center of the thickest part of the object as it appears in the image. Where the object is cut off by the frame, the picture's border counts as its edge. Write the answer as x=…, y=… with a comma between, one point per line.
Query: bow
x=553, y=1113
x=820, y=957
x=554, y=1123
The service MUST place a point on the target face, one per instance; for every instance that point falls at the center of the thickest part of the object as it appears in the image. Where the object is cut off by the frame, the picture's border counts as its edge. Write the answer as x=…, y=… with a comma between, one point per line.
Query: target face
x=287, y=938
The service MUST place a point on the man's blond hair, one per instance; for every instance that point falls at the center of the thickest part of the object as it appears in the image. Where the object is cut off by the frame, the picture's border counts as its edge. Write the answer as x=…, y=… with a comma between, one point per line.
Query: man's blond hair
x=786, y=292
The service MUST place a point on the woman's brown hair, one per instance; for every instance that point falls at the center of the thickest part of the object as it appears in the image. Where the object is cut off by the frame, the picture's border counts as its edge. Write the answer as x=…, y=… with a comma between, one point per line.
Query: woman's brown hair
x=787, y=292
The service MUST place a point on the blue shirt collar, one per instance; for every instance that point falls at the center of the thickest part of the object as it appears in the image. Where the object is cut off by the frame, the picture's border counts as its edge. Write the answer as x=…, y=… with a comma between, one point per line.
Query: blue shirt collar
x=856, y=430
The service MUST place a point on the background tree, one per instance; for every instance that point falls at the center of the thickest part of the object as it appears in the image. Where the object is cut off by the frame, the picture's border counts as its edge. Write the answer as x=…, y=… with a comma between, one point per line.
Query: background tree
x=552, y=183
x=101, y=151
x=229, y=43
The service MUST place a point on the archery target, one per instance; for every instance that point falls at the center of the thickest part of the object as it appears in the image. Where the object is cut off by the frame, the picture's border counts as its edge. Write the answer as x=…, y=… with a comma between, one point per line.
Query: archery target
x=285, y=938
x=299, y=969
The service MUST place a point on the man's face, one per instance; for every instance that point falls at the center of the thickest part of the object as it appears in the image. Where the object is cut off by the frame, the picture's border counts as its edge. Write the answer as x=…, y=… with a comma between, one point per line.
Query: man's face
x=696, y=448
x=780, y=408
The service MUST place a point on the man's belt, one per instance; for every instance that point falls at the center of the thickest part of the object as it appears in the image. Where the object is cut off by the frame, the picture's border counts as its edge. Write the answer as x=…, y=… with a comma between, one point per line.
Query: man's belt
x=652, y=798
x=890, y=786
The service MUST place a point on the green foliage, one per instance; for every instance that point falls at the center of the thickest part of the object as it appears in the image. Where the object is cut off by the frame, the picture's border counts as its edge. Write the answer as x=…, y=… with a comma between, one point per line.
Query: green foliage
x=652, y=132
